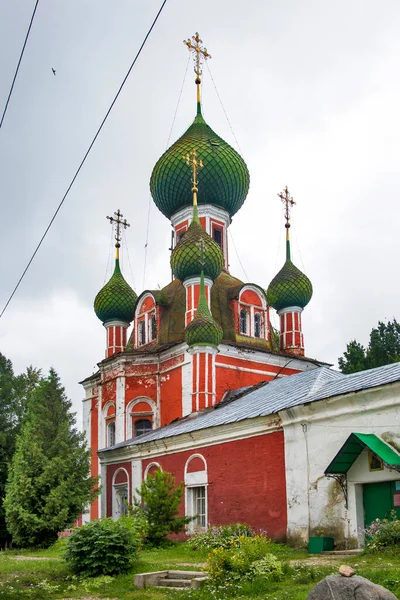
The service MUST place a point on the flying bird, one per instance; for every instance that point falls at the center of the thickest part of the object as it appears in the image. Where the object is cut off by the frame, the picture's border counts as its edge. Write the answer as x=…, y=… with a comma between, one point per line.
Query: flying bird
x=54, y=71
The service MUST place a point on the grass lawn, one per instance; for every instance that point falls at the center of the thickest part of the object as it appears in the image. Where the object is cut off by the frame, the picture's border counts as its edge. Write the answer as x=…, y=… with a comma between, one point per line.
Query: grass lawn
x=42, y=575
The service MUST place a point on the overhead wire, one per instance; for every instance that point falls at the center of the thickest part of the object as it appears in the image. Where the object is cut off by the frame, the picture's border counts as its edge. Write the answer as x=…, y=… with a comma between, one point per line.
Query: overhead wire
x=126, y=247
x=237, y=254
x=84, y=159
x=19, y=62
x=166, y=148
x=109, y=255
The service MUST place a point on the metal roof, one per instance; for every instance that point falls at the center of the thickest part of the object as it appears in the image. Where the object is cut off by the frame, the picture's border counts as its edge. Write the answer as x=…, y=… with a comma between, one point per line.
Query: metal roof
x=271, y=397
x=353, y=447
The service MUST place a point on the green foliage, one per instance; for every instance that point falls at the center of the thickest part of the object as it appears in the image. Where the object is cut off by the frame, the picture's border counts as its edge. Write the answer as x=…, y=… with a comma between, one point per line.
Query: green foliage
x=383, y=349
x=14, y=394
x=247, y=557
x=383, y=533
x=49, y=483
x=103, y=547
x=222, y=536
x=159, y=506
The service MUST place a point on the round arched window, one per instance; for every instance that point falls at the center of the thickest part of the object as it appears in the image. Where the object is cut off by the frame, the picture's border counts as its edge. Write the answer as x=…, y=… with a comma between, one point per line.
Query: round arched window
x=141, y=426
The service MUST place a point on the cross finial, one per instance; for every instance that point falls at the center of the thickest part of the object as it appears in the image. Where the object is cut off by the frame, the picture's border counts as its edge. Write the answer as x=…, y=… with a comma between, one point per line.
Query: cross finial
x=200, y=245
x=117, y=222
x=288, y=202
x=195, y=164
x=200, y=53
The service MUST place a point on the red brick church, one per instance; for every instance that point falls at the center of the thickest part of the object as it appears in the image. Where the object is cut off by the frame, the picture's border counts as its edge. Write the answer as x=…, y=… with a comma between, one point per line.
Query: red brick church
x=170, y=392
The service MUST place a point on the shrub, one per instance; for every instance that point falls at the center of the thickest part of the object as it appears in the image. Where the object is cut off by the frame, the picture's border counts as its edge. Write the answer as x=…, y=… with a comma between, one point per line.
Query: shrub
x=383, y=533
x=103, y=547
x=267, y=567
x=159, y=506
x=246, y=558
x=223, y=536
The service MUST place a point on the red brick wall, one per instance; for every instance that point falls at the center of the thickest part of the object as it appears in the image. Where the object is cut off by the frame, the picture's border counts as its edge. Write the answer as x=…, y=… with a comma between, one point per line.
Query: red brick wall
x=246, y=481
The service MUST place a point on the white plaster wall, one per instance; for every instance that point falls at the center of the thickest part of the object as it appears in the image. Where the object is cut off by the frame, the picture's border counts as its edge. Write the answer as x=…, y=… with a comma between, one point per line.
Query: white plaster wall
x=187, y=384
x=314, y=433
x=136, y=477
x=120, y=410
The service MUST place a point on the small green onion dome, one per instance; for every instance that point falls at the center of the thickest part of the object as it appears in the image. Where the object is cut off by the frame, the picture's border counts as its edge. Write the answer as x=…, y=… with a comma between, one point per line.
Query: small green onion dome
x=224, y=178
x=203, y=330
x=196, y=251
x=116, y=300
x=290, y=287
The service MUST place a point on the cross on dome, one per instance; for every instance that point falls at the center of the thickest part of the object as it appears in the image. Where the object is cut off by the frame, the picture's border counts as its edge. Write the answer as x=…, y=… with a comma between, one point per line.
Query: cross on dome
x=200, y=53
x=117, y=222
x=195, y=164
x=288, y=202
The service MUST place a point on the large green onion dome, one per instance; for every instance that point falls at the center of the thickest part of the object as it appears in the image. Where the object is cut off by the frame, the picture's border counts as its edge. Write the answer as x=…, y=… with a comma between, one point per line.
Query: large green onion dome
x=224, y=178
x=203, y=330
x=116, y=300
x=196, y=251
x=290, y=287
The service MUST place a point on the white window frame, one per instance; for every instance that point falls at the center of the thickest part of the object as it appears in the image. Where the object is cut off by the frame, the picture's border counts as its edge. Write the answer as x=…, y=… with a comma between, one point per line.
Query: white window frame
x=194, y=481
x=118, y=491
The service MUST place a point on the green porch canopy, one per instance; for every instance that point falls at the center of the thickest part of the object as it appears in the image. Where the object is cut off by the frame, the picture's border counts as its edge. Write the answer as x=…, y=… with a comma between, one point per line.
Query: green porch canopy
x=353, y=447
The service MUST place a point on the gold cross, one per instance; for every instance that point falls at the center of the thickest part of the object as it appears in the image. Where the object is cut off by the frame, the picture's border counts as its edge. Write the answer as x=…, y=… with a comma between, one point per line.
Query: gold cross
x=200, y=52
x=201, y=247
x=196, y=164
x=288, y=202
x=118, y=222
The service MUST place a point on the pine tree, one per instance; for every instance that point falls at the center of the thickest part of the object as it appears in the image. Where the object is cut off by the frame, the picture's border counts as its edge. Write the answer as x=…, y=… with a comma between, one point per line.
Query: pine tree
x=159, y=506
x=14, y=393
x=49, y=482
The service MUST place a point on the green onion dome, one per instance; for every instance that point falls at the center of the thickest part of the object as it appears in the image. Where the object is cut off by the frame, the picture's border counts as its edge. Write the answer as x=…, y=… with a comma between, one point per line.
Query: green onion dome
x=116, y=300
x=290, y=287
x=196, y=251
x=224, y=178
x=203, y=330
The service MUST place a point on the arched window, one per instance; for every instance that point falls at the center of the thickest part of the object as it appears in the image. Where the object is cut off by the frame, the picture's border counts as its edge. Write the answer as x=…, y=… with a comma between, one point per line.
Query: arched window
x=244, y=321
x=258, y=325
x=152, y=327
x=141, y=426
x=196, y=481
x=120, y=493
x=111, y=433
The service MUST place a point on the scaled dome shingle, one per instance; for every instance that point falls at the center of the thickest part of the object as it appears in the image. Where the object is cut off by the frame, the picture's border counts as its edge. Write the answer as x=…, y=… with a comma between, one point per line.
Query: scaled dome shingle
x=116, y=300
x=224, y=177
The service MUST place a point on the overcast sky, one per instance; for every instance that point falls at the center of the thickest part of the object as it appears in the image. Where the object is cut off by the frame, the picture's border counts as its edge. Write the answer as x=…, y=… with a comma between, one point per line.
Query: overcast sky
x=312, y=93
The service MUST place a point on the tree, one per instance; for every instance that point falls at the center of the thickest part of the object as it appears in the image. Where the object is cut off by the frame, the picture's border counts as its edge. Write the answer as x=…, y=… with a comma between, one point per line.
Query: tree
x=159, y=505
x=49, y=482
x=383, y=349
x=14, y=394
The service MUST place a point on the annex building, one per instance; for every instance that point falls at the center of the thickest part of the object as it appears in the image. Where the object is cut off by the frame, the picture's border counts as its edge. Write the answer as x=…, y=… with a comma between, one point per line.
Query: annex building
x=203, y=387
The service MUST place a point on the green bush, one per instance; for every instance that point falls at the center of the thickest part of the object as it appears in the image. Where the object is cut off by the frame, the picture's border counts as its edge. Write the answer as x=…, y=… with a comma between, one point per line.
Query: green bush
x=103, y=547
x=246, y=558
x=383, y=533
x=223, y=536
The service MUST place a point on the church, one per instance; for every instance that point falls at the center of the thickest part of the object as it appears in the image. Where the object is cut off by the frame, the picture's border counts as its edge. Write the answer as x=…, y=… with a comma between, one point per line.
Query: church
x=205, y=388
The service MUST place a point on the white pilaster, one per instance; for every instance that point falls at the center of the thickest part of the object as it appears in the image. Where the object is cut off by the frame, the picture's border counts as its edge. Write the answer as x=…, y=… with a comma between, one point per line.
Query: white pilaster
x=120, y=410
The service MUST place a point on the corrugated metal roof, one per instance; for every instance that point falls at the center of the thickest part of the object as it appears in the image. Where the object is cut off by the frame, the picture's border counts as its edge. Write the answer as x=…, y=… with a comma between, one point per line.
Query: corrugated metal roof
x=273, y=396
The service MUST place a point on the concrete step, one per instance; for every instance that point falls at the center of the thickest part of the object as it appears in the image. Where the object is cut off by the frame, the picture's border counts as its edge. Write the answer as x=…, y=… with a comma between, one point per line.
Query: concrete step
x=174, y=583
x=342, y=552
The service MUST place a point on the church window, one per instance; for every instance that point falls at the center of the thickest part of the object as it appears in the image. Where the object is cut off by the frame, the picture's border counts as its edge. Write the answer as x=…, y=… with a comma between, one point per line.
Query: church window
x=141, y=426
x=152, y=327
x=121, y=500
x=244, y=321
x=197, y=506
x=217, y=235
x=257, y=325
x=111, y=433
x=142, y=332
x=179, y=235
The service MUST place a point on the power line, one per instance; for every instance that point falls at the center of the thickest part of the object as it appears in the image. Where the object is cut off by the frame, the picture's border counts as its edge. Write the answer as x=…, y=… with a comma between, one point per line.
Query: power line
x=19, y=62
x=84, y=159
